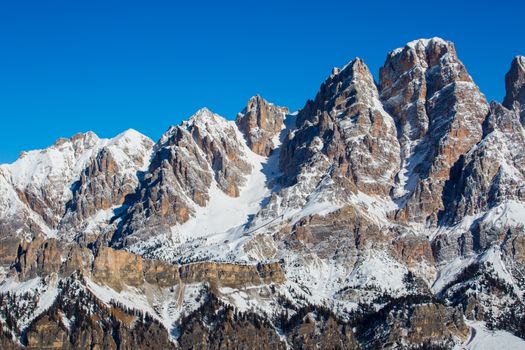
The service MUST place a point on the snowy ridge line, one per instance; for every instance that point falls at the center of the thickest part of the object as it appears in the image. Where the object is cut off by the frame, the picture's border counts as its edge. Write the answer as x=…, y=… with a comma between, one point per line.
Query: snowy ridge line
x=264, y=225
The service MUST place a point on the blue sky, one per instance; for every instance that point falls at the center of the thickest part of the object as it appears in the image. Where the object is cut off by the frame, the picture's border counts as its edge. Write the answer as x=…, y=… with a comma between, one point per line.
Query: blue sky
x=71, y=66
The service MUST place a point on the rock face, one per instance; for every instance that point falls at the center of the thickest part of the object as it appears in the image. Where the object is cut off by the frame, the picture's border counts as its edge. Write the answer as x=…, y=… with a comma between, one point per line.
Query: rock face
x=47, y=334
x=347, y=124
x=261, y=122
x=494, y=170
x=111, y=176
x=429, y=325
x=62, y=187
x=119, y=268
x=188, y=161
x=515, y=85
x=439, y=113
x=39, y=183
x=489, y=178
x=381, y=215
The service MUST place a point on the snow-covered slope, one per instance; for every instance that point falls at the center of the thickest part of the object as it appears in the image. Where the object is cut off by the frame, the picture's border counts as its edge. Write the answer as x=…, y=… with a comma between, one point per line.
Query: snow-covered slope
x=44, y=187
x=483, y=339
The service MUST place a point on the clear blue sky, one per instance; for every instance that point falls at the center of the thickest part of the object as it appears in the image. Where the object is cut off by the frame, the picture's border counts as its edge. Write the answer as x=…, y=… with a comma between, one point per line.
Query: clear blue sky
x=70, y=66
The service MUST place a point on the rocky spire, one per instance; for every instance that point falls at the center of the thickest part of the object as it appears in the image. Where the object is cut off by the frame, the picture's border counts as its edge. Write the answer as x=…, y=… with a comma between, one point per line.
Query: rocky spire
x=260, y=122
x=515, y=86
x=348, y=125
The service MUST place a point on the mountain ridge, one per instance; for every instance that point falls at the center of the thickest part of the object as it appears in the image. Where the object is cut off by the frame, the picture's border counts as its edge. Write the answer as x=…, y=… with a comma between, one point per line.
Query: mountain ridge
x=387, y=212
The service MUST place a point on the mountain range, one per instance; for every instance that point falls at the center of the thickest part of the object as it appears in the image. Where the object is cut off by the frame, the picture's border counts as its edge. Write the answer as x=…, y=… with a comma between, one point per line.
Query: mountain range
x=381, y=215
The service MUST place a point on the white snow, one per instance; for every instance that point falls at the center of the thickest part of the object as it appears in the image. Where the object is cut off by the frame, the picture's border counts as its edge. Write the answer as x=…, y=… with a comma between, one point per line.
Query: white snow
x=53, y=171
x=378, y=269
x=223, y=212
x=238, y=297
x=45, y=291
x=483, y=339
x=413, y=44
x=129, y=148
x=318, y=202
x=13, y=284
x=521, y=62
x=450, y=271
x=128, y=296
x=222, y=223
x=376, y=207
x=167, y=305
x=509, y=213
x=62, y=161
x=66, y=321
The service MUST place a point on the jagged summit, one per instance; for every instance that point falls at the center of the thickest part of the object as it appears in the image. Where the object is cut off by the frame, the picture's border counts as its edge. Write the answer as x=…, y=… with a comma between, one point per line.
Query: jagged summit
x=202, y=115
x=383, y=214
x=205, y=123
x=345, y=127
x=438, y=111
x=515, y=84
x=428, y=42
x=129, y=134
x=422, y=44
x=261, y=122
x=337, y=70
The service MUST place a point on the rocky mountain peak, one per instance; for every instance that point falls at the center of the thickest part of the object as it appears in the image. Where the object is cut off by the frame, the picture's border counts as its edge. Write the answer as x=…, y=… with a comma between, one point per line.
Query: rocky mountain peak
x=423, y=52
x=130, y=135
x=133, y=145
x=261, y=122
x=65, y=184
x=207, y=127
x=515, y=84
x=189, y=162
x=42, y=179
x=348, y=126
x=417, y=71
x=203, y=116
x=336, y=87
x=110, y=176
x=439, y=113
x=88, y=137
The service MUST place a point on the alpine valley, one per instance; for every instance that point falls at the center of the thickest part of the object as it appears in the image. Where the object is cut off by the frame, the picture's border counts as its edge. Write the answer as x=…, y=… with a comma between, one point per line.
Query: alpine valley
x=382, y=215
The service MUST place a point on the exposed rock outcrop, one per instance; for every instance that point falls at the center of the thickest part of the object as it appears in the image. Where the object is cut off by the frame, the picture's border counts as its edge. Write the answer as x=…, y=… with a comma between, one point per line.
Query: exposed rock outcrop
x=111, y=176
x=36, y=188
x=188, y=161
x=46, y=334
x=347, y=124
x=261, y=122
x=424, y=324
x=493, y=171
x=439, y=113
x=58, y=189
x=515, y=86
x=119, y=268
